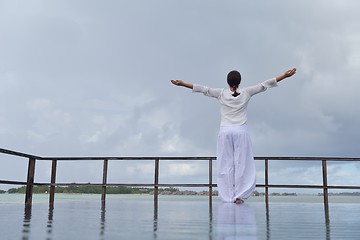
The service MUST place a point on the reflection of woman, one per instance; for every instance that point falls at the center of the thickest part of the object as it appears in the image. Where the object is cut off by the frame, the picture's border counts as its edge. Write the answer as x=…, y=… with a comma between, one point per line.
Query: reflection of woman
x=236, y=222
x=236, y=167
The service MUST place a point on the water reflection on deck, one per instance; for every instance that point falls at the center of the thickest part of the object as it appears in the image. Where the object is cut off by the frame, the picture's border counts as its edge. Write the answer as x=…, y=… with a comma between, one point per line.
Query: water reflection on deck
x=132, y=217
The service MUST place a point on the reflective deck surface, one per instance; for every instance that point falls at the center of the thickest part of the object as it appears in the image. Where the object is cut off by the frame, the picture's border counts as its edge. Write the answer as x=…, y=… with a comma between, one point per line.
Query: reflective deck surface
x=178, y=217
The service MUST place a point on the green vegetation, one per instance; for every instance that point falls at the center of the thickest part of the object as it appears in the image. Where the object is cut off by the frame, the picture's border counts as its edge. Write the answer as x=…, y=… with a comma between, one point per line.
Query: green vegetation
x=2, y=191
x=90, y=190
x=342, y=194
x=36, y=189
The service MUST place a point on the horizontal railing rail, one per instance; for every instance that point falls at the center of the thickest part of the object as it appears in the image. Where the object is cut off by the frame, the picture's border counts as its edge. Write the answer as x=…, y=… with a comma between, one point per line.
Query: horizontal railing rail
x=19, y=154
x=55, y=159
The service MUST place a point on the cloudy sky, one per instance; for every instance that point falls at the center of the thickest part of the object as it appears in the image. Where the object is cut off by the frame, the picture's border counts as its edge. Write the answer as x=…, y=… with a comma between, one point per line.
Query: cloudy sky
x=92, y=78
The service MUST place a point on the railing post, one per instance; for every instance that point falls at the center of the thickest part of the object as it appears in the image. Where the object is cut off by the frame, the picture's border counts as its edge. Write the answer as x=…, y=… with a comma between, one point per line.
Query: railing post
x=210, y=182
x=156, y=180
x=266, y=181
x=210, y=190
x=103, y=191
x=52, y=186
x=30, y=181
x=156, y=194
x=325, y=190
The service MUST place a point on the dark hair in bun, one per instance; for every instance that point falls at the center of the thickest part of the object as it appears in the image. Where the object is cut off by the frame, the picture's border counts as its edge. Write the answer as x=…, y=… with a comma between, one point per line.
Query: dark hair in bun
x=234, y=79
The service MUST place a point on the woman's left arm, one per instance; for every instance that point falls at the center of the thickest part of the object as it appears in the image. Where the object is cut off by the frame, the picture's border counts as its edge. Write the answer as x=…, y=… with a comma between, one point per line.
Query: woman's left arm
x=182, y=83
x=210, y=92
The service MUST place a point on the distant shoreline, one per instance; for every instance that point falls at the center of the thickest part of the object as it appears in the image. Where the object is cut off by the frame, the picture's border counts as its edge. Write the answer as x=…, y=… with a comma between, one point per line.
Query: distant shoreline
x=150, y=191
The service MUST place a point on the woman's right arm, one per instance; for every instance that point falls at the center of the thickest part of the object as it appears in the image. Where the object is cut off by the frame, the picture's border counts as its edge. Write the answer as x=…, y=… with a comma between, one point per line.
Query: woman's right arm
x=270, y=83
x=286, y=74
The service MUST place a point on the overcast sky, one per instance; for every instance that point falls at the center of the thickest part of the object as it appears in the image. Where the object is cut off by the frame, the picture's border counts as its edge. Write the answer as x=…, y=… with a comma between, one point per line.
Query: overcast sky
x=92, y=78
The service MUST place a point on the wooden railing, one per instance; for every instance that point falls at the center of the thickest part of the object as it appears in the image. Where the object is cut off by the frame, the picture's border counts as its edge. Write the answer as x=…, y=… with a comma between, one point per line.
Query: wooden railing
x=52, y=184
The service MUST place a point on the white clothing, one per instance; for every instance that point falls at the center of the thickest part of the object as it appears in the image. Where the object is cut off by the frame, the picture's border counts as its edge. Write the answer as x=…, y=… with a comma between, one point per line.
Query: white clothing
x=235, y=161
x=233, y=109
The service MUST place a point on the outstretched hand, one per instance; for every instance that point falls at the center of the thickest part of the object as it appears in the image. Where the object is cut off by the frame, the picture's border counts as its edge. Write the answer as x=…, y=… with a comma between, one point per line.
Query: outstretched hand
x=290, y=72
x=177, y=82
x=287, y=74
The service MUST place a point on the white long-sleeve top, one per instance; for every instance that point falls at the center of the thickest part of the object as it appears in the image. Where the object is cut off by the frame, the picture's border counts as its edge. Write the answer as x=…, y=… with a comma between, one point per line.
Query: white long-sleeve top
x=233, y=109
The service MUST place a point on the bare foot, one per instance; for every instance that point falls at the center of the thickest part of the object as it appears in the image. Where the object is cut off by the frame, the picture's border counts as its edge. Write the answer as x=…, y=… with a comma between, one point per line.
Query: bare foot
x=239, y=201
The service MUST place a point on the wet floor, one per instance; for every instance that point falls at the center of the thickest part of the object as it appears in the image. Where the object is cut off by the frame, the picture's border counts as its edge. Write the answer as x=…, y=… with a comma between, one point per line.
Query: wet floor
x=177, y=217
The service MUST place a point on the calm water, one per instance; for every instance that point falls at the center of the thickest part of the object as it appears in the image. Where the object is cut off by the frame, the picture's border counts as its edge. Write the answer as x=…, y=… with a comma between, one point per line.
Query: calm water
x=177, y=217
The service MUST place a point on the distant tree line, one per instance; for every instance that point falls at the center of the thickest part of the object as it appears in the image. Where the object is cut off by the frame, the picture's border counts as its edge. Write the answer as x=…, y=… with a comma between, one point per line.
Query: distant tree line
x=342, y=194
x=89, y=190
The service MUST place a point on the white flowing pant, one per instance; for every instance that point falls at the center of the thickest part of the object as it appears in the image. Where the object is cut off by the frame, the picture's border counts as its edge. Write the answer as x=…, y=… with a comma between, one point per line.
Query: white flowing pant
x=235, y=163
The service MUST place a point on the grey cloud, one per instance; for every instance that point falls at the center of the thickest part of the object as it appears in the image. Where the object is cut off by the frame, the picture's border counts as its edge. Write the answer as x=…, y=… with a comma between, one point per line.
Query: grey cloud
x=82, y=78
